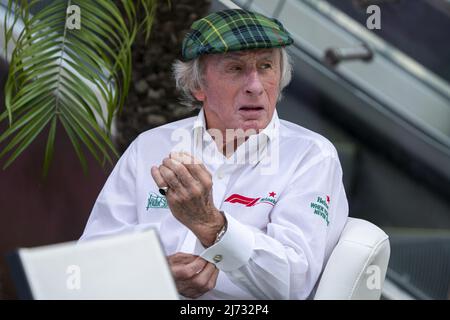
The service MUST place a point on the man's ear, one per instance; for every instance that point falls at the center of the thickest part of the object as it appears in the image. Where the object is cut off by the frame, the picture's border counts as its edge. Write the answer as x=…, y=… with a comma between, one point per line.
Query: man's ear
x=199, y=94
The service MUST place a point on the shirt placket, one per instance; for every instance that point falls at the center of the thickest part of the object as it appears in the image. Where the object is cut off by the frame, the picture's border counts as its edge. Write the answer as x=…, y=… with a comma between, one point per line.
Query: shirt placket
x=220, y=175
x=220, y=182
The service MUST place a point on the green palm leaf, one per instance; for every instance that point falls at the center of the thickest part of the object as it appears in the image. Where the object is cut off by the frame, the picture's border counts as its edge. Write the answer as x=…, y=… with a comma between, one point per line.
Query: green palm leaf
x=77, y=77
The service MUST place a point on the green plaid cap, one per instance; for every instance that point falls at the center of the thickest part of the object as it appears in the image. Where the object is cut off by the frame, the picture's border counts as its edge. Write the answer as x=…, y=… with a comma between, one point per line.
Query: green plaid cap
x=233, y=30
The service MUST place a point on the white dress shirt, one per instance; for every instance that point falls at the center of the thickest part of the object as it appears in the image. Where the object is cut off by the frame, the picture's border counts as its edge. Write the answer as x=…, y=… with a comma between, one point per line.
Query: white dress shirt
x=281, y=192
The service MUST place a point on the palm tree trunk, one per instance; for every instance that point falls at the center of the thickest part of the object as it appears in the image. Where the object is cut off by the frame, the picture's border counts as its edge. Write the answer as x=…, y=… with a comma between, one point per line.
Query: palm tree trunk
x=152, y=100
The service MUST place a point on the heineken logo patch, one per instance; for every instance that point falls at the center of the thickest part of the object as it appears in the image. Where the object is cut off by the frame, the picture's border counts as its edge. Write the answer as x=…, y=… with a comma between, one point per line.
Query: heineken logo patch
x=156, y=201
x=320, y=207
x=250, y=202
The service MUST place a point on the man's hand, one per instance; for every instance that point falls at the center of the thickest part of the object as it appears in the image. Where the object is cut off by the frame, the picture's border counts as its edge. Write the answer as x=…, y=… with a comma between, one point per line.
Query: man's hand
x=193, y=275
x=190, y=195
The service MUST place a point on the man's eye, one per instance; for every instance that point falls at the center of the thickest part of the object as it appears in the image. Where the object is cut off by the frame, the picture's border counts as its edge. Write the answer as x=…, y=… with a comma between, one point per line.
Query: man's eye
x=266, y=66
x=235, y=68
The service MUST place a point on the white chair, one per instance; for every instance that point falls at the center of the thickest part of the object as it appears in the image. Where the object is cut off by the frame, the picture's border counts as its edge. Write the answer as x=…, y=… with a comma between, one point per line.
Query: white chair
x=357, y=266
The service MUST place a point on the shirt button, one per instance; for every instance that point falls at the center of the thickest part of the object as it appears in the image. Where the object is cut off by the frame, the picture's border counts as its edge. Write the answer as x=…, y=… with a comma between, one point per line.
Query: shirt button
x=217, y=258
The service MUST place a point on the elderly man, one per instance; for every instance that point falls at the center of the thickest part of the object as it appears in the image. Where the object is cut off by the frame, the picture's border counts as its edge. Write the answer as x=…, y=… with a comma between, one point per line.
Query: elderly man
x=247, y=206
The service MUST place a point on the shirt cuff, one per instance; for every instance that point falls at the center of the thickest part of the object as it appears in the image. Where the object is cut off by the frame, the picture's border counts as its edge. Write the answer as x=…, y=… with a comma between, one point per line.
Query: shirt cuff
x=233, y=250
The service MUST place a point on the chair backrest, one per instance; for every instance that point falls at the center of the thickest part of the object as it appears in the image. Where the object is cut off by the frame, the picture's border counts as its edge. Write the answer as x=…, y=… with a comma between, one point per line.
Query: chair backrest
x=357, y=266
x=127, y=266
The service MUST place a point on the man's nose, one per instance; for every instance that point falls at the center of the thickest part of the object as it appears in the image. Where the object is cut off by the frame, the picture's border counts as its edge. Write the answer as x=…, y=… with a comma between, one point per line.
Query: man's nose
x=254, y=84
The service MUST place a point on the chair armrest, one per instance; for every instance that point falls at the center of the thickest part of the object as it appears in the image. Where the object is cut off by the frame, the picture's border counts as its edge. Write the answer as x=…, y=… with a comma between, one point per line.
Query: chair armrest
x=357, y=266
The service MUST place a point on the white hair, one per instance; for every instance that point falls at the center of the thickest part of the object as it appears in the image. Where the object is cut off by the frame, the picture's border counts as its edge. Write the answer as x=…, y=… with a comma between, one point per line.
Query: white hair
x=189, y=77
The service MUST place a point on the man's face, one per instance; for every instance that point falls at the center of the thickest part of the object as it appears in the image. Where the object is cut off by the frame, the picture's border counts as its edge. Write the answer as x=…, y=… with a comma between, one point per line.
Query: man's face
x=240, y=89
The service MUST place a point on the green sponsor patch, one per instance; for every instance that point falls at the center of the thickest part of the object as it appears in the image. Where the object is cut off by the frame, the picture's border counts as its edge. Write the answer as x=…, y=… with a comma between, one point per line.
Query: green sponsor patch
x=156, y=201
x=320, y=207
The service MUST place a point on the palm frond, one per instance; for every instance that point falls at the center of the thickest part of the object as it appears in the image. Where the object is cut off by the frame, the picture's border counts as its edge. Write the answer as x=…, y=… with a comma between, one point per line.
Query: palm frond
x=149, y=7
x=78, y=78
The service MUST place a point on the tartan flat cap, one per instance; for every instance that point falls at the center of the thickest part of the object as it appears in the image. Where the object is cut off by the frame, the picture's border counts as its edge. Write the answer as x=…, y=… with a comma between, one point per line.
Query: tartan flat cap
x=233, y=30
